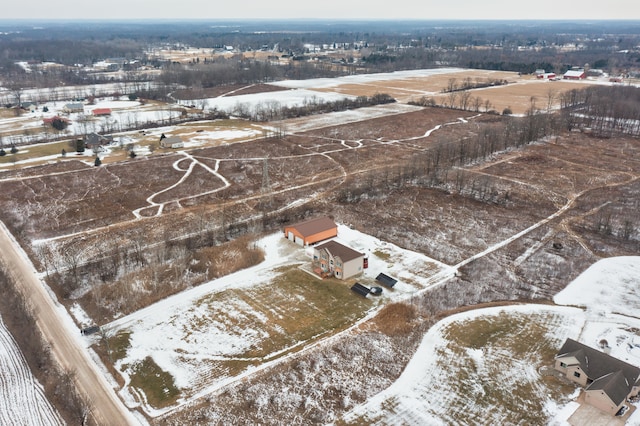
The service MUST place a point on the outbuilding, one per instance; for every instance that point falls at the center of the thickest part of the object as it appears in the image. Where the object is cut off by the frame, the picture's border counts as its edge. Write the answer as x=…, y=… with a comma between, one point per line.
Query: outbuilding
x=311, y=231
x=574, y=75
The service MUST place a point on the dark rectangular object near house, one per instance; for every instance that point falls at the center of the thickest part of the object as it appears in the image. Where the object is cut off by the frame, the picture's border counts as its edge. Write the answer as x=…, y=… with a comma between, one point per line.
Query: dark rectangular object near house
x=360, y=289
x=386, y=280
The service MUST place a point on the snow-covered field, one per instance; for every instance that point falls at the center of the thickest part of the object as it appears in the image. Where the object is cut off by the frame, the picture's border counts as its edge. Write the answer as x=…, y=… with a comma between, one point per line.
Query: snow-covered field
x=317, y=83
x=186, y=334
x=22, y=401
x=423, y=393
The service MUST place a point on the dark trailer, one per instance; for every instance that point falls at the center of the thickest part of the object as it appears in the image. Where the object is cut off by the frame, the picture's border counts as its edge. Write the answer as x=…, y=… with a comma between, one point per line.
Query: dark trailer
x=386, y=280
x=360, y=289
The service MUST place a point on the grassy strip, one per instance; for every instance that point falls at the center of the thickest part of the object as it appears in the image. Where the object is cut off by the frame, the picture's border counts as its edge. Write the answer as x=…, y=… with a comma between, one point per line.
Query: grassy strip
x=157, y=385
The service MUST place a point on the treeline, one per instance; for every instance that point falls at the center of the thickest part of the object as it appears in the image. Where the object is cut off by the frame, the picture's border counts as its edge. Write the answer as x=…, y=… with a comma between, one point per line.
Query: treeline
x=271, y=111
x=239, y=70
x=59, y=384
x=603, y=110
x=69, y=51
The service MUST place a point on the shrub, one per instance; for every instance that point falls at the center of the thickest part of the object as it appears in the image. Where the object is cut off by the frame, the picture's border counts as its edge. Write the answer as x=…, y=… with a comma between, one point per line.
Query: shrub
x=59, y=123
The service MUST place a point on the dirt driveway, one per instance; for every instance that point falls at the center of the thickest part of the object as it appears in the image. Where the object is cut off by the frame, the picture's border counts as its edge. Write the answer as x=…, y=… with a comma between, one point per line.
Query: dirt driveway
x=104, y=404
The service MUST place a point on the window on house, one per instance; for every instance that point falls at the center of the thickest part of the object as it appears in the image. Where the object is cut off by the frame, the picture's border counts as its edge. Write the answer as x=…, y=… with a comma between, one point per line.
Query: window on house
x=576, y=374
x=563, y=365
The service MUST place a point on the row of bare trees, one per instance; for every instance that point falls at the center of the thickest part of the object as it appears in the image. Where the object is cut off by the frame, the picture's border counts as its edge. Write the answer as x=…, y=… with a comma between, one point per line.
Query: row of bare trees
x=271, y=111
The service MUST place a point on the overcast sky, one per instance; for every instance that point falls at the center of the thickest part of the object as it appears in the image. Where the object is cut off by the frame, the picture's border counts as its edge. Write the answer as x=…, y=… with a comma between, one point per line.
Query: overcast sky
x=322, y=9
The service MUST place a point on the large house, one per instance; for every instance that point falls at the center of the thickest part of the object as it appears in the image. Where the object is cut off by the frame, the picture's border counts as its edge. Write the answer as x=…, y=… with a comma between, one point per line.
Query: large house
x=338, y=260
x=95, y=140
x=311, y=231
x=608, y=381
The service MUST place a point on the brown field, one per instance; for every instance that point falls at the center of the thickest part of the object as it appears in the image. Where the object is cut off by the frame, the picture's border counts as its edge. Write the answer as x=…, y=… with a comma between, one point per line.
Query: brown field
x=517, y=95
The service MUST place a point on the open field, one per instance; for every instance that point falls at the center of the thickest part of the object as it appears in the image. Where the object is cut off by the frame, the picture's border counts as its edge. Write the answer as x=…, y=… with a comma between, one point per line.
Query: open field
x=22, y=400
x=482, y=365
x=519, y=94
x=499, y=222
x=495, y=364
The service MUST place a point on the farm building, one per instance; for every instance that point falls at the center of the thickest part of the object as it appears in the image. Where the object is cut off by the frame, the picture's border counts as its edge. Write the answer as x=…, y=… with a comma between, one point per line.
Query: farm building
x=574, y=75
x=608, y=381
x=171, y=142
x=73, y=107
x=311, y=231
x=546, y=76
x=338, y=260
x=98, y=112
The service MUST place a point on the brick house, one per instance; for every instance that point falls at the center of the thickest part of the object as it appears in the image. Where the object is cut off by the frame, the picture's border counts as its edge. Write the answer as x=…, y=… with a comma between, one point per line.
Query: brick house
x=338, y=260
x=608, y=381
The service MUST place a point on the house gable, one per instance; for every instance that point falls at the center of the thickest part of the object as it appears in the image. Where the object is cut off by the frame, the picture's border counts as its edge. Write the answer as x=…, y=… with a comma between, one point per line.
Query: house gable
x=341, y=261
x=606, y=378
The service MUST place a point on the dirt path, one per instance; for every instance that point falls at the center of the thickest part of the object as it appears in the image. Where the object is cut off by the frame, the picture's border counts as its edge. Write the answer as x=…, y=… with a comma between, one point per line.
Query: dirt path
x=65, y=345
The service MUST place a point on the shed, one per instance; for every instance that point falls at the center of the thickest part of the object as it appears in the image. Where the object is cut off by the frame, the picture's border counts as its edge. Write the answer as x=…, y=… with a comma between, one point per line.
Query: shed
x=171, y=142
x=73, y=107
x=311, y=231
x=101, y=112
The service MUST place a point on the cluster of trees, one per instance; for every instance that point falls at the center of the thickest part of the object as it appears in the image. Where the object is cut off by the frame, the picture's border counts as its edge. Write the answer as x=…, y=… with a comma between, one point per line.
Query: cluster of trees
x=436, y=167
x=605, y=111
x=275, y=111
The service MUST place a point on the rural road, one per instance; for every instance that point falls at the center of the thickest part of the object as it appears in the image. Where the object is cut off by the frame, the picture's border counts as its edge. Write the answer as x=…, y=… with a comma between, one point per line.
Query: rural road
x=105, y=406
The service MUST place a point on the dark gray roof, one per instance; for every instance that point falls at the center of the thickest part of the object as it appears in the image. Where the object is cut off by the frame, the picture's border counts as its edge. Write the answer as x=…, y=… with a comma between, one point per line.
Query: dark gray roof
x=615, y=385
x=360, y=289
x=610, y=374
x=386, y=280
x=338, y=250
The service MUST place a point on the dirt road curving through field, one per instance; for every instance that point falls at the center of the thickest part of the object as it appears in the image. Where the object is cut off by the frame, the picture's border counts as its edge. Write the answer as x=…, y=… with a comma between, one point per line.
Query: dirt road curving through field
x=65, y=345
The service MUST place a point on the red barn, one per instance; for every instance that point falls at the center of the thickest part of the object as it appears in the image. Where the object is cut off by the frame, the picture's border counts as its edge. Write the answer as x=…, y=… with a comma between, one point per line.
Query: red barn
x=101, y=111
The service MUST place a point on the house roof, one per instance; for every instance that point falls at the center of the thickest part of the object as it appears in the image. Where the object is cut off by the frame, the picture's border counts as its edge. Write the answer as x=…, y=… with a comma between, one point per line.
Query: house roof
x=74, y=106
x=172, y=139
x=101, y=111
x=615, y=385
x=336, y=249
x=314, y=226
x=574, y=73
x=609, y=374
